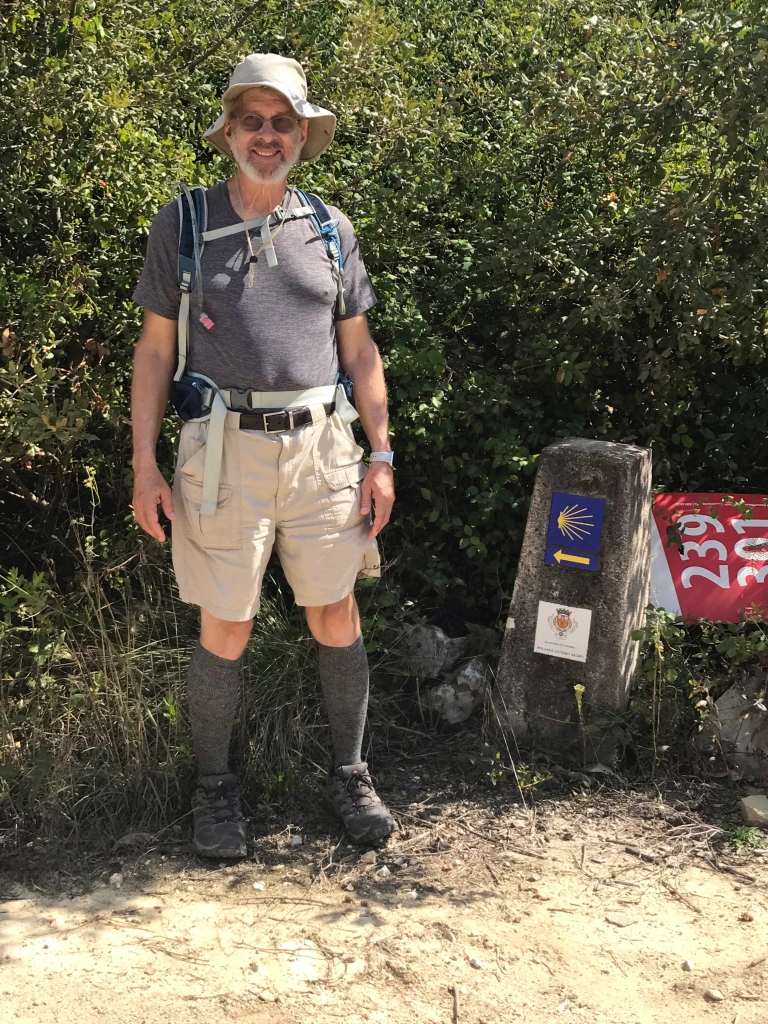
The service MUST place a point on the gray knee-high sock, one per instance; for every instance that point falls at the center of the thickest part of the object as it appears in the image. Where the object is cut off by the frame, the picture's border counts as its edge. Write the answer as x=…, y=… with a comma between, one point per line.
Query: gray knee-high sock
x=212, y=690
x=344, y=678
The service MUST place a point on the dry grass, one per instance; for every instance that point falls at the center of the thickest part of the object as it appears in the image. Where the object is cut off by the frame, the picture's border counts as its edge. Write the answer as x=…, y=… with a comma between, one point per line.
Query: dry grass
x=92, y=730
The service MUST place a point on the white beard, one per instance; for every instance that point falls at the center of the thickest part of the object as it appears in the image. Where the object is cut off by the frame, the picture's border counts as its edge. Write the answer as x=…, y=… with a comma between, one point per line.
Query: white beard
x=240, y=151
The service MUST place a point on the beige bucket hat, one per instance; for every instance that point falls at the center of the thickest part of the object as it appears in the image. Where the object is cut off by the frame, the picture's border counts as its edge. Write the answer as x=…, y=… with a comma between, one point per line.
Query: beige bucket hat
x=287, y=77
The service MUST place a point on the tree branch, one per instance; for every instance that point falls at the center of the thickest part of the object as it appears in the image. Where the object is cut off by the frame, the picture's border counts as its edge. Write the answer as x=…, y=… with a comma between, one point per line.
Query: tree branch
x=236, y=26
x=26, y=494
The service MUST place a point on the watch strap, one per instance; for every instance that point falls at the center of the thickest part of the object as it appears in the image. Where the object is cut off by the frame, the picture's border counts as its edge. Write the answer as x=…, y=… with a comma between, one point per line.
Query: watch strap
x=383, y=457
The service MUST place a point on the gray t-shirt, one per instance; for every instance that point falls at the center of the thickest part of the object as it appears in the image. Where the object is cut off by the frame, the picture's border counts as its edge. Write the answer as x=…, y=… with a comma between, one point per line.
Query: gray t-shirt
x=279, y=335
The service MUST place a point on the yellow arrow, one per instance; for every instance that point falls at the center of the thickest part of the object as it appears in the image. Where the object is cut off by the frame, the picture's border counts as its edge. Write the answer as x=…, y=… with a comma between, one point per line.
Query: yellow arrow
x=571, y=558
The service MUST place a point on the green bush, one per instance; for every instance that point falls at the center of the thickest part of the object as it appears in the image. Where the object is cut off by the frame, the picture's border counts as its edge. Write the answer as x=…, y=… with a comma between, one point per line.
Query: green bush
x=563, y=207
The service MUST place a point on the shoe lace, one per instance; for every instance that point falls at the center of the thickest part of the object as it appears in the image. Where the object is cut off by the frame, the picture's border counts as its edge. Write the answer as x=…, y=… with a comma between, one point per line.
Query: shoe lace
x=222, y=803
x=359, y=784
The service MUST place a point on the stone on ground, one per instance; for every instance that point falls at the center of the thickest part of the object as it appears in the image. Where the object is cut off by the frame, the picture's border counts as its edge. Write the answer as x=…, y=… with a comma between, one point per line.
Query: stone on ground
x=754, y=810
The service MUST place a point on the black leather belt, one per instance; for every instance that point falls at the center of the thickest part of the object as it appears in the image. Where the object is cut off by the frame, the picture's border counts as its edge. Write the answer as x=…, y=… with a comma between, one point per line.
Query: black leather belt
x=281, y=419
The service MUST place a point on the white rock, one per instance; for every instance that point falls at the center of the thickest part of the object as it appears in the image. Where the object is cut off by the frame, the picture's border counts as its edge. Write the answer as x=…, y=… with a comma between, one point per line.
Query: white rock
x=477, y=964
x=369, y=857
x=456, y=698
x=116, y=880
x=754, y=810
x=430, y=652
x=259, y=886
x=741, y=724
x=687, y=965
x=400, y=862
x=349, y=888
x=714, y=995
x=383, y=872
x=296, y=841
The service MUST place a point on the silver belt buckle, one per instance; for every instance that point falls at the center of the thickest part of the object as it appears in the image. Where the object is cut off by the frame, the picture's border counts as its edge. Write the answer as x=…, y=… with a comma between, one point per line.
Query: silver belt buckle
x=279, y=412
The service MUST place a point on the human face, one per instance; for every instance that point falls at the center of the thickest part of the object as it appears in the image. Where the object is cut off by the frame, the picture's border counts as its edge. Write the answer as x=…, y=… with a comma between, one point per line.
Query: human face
x=266, y=156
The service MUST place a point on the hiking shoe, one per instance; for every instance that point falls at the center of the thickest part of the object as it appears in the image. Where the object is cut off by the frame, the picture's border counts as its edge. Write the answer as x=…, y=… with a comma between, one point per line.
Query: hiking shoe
x=350, y=795
x=219, y=828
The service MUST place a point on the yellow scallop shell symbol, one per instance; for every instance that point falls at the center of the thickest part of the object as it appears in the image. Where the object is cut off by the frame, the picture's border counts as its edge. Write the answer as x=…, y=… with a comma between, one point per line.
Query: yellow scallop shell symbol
x=575, y=523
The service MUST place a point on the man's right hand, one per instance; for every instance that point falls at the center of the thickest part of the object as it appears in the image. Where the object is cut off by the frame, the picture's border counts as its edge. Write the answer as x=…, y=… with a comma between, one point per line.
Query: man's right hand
x=150, y=489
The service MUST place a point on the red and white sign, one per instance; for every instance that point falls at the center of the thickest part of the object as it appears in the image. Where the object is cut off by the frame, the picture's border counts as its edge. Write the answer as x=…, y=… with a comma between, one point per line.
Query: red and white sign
x=709, y=556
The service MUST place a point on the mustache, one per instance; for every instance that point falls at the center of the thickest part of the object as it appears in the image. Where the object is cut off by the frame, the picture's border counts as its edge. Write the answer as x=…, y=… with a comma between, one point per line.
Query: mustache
x=273, y=144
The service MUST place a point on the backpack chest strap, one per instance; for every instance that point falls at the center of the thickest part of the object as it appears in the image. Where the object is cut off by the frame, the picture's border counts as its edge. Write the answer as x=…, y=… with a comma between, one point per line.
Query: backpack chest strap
x=273, y=220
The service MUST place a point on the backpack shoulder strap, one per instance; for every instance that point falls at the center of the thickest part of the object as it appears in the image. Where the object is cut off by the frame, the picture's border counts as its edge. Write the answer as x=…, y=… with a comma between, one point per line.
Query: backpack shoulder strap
x=329, y=232
x=193, y=219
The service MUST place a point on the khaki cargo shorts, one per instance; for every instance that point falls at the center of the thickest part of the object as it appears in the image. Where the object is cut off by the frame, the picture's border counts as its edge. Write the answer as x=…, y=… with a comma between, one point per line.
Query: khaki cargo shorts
x=298, y=490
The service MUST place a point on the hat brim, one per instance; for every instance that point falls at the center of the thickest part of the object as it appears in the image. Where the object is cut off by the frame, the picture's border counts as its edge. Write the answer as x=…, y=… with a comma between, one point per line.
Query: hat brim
x=321, y=123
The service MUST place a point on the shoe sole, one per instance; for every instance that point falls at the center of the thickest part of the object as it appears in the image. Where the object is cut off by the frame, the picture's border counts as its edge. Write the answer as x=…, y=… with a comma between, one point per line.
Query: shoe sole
x=218, y=853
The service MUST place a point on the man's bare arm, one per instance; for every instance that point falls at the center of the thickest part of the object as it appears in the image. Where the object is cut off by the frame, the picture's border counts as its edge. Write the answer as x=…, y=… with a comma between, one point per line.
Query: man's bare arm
x=359, y=357
x=153, y=368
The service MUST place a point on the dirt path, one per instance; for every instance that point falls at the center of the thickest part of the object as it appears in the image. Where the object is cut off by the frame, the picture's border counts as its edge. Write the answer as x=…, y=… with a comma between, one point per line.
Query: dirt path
x=530, y=917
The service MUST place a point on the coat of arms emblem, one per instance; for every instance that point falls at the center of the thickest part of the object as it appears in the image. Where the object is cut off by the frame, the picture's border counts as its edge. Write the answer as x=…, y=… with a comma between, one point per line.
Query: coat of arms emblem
x=562, y=622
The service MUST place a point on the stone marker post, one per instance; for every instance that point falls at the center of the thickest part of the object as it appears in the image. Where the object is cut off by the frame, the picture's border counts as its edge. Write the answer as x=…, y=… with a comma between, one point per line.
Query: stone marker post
x=581, y=590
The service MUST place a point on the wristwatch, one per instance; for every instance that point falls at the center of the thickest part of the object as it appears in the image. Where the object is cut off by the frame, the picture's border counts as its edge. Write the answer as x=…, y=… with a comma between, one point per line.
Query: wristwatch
x=383, y=457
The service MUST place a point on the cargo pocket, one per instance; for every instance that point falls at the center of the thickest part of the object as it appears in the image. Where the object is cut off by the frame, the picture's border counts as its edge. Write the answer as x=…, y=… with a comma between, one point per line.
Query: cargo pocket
x=223, y=530
x=343, y=487
x=344, y=438
x=370, y=564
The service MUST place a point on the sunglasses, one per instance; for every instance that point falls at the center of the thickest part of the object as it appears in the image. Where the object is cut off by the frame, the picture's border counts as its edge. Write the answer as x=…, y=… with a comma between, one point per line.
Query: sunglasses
x=283, y=124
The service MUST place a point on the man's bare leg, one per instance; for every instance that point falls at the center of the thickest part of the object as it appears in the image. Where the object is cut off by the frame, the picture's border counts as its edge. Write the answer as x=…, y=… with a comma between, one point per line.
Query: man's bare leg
x=335, y=625
x=222, y=638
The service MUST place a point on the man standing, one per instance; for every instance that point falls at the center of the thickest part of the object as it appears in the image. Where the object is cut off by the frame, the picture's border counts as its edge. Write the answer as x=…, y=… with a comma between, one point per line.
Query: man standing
x=271, y=321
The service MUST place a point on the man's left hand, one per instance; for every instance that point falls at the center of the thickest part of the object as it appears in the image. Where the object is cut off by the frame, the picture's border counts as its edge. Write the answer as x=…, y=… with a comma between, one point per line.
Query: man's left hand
x=378, y=487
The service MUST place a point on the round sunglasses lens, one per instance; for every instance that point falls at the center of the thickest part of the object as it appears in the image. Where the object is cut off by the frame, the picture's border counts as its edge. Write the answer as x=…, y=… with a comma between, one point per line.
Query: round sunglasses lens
x=283, y=125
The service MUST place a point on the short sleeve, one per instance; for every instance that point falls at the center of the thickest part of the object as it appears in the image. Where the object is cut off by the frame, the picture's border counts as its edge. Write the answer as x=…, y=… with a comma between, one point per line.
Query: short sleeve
x=158, y=289
x=359, y=295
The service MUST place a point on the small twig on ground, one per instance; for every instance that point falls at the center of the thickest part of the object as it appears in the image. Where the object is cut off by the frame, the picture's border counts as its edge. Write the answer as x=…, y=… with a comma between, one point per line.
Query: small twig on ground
x=719, y=866
x=287, y=899
x=679, y=896
x=758, y=961
x=482, y=835
x=454, y=989
x=320, y=873
x=493, y=874
x=651, y=858
x=156, y=947
x=528, y=853
x=617, y=963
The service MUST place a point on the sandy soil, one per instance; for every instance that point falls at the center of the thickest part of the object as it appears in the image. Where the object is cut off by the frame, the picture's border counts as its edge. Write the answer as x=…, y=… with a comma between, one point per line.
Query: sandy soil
x=493, y=912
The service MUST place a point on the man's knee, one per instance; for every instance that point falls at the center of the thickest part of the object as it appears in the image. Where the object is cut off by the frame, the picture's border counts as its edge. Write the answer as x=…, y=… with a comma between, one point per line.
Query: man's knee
x=335, y=625
x=223, y=638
